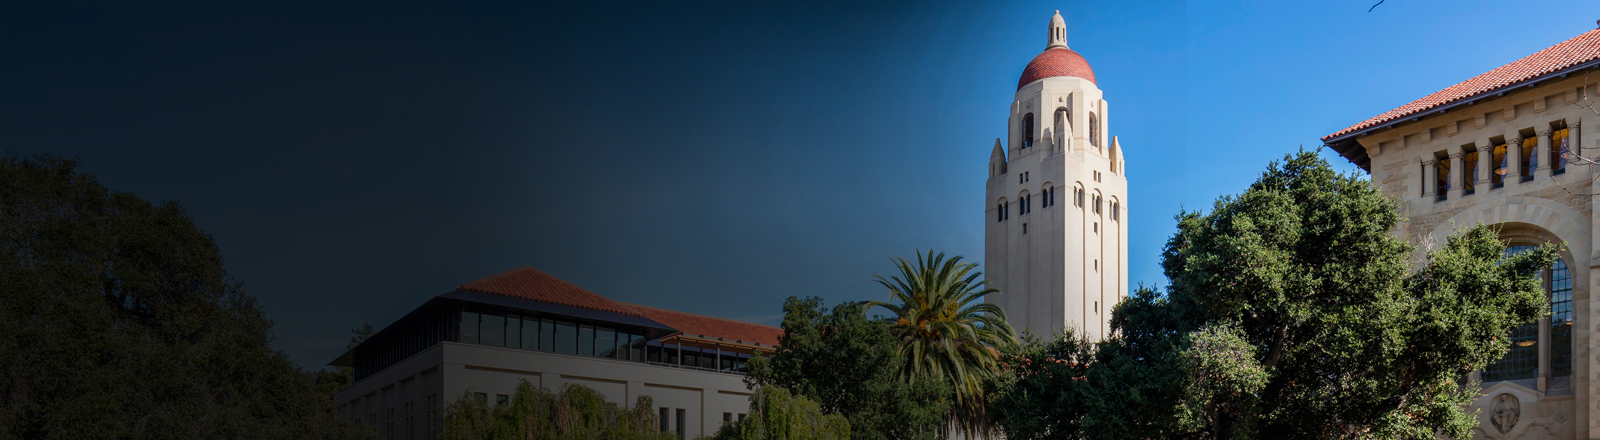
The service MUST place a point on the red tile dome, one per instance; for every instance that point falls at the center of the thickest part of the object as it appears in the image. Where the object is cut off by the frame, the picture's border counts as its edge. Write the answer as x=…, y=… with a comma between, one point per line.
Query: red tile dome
x=1056, y=61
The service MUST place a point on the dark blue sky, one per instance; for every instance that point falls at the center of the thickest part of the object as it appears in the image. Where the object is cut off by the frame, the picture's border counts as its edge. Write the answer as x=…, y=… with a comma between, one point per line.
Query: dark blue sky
x=354, y=160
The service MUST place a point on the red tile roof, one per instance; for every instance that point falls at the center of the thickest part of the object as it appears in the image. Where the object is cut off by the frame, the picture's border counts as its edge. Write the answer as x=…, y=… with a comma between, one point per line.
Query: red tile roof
x=713, y=327
x=527, y=282
x=1579, y=49
x=1058, y=61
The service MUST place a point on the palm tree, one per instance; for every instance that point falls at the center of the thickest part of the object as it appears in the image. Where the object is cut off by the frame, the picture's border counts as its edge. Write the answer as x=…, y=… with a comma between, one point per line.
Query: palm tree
x=946, y=332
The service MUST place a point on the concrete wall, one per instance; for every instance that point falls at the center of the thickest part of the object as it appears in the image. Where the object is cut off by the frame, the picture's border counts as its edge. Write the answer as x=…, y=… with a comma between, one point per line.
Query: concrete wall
x=450, y=369
x=1550, y=208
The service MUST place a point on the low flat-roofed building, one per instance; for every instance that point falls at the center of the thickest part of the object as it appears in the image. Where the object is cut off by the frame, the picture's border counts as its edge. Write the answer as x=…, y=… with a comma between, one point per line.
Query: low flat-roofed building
x=1510, y=148
x=486, y=336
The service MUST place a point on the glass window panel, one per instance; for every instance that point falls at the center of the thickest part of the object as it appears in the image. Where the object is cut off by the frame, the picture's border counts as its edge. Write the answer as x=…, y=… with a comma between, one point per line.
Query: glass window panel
x=585, y=340
x=566, y=338
x=690, y=358
x=1558, y=150
x=605, y=342
x=708, y=360
x=493, y=330
x=547, y=335
x=530, y=333
x=1530, y=161
x=1441, y=177
x=638, y=347
x=513, y=331
x=1560, y=319
x=1498, y=163
x=653, y=354
x=469, y=327
x=1469, y=166
x=1522, y=359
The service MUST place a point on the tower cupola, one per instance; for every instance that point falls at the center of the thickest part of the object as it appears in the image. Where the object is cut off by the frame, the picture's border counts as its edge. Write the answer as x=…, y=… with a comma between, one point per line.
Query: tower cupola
x=1058, y=32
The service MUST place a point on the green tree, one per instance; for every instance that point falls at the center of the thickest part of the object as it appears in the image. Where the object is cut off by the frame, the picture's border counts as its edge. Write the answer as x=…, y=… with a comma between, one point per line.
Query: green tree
x=1039, y=393
x=1293, y=312
x=775, y=414
x=575, y=412
x=947, y=333
x=847, y=364
x=117, y=320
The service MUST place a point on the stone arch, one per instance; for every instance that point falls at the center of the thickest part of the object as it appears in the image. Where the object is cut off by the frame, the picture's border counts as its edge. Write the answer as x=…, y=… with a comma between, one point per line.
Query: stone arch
x=1522, y=216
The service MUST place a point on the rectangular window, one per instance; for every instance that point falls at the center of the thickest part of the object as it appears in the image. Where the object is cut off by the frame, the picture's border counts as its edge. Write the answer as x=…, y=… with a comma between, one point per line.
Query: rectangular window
x=501, y=399
x=638, y=347
x=683, y=416
x=652, y=354
x=493, y=330
x=530, y=333
x=513, y=331
x=469, y=327
x=605, y=343
x=547, y=335
x=1560, y=320
x=585, y=340
x=1441, y=178
x=1558, y=152
x=482, y=398
x=1530, y=160
x=1469, y=166
x=690, y=358
x=741, y=417
x=727, y=417
x=566, y=338
x=663, y=420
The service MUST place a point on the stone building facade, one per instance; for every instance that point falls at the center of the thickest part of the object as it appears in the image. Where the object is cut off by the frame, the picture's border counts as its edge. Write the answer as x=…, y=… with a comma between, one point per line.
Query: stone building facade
x=1055, y=230
x=1510, y=148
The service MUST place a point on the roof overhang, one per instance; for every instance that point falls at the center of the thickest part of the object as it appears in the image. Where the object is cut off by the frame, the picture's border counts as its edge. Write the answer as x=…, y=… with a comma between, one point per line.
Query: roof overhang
x=1347, y=146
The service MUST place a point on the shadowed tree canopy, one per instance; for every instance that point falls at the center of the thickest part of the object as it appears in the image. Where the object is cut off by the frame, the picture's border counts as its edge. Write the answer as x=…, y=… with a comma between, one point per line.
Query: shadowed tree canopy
x=847, y=363
x=1294, y=312
x=117, y=320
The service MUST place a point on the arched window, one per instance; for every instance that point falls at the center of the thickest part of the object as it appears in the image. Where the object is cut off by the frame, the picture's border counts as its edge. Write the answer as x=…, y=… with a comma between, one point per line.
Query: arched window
x=1094, y=130
x=1063, y=120
x=1027, y=130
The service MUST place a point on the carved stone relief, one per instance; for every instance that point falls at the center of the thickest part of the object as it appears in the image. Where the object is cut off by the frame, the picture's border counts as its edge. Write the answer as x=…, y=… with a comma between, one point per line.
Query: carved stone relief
x=1506, y=411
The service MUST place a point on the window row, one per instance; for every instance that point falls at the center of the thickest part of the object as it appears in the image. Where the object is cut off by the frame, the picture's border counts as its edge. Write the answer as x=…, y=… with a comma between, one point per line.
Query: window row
x=550, y=335
x=421, y=338
x=1442, y=173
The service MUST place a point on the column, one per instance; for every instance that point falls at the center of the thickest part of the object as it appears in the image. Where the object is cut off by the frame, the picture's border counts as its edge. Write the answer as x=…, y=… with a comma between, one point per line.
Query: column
x=1485, y=166
x=1513, y=159
x=1457, y=175
x=1543, y=155
x=1428, y=182
x=1544, y=348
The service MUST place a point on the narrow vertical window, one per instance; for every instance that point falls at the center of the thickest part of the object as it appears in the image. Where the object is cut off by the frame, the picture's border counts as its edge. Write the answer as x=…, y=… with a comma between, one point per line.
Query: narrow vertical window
x=1027, y=130
x=469, y=327
x=1558, y=152
x=1522, y=360
x=664, y=420
x=1497, y=159
x=1530, y=158
x=1560, y=319
x=1061, y=128
x=1469, y=168
x=1094, y=130
x=1441, y=177
x=683, y=417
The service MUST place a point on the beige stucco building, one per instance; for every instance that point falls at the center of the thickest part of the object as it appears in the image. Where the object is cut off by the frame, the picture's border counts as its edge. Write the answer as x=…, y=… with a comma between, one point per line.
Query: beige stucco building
x=1510, y=148
x=1055, y=226
x=485, y=337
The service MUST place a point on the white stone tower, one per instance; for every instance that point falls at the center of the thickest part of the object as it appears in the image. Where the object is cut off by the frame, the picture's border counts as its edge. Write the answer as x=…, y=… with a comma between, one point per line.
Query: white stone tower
x=1056, y=226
